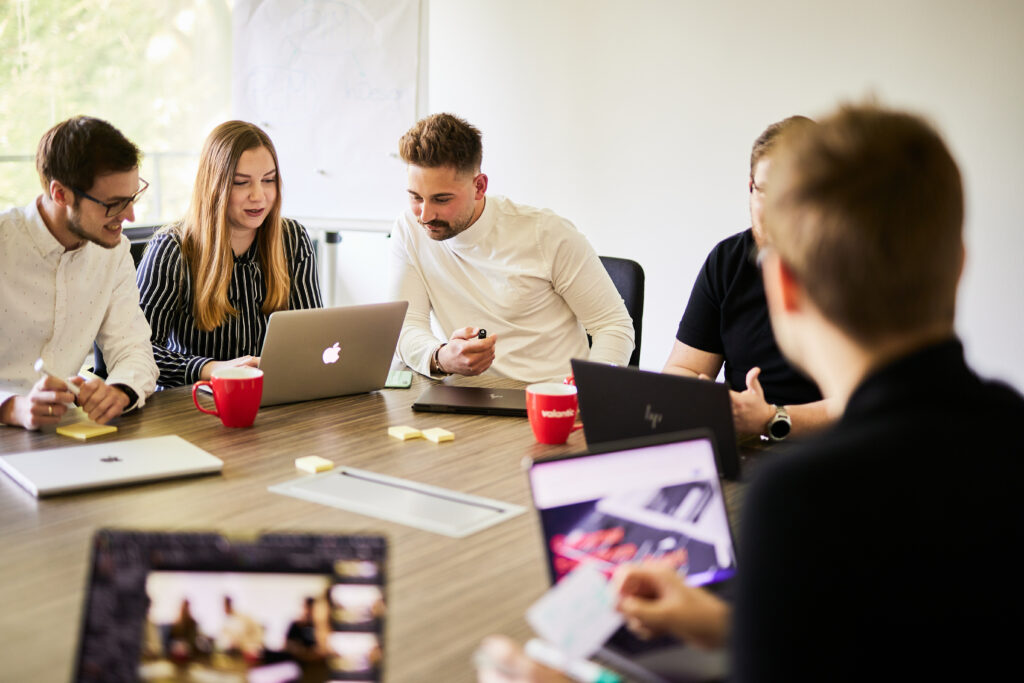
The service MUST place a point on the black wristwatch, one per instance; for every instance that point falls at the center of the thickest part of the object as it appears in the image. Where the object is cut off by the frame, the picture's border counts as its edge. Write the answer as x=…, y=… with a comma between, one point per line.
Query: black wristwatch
x=780, y=425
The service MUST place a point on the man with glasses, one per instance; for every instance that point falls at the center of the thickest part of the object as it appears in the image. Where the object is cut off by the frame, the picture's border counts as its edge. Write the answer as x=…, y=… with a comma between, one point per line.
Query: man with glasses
x=726, y=322
x=69, y=279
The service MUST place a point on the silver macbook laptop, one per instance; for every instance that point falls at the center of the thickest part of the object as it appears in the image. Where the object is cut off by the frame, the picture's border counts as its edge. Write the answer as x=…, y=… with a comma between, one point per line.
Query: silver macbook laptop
x=321, y=352
x=628, y=501
x=103, y=465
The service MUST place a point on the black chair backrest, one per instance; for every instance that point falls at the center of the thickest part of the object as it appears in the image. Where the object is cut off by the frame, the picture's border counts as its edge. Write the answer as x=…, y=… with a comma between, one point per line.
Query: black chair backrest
x=628, y=277
x=138, y=237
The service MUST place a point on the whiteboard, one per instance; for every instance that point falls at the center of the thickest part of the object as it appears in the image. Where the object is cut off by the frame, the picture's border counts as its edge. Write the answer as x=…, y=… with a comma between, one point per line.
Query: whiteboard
x=334, y=85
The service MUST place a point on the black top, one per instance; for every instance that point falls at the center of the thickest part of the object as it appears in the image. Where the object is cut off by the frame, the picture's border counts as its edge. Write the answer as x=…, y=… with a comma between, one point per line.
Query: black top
x=727, y=314
x=165, y=294
x=883, y=549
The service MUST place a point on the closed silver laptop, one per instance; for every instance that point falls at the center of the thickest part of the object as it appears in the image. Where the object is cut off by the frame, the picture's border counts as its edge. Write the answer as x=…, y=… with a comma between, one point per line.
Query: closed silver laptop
x=322, y=352
x=107, y=464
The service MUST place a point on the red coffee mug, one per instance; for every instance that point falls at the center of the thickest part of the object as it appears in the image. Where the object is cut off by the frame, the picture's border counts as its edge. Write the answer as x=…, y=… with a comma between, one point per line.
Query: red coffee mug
x=552, y=411
x=236, y=393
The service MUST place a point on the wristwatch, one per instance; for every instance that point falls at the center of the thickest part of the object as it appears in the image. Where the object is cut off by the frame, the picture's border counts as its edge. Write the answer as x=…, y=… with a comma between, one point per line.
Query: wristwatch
x=780, y=425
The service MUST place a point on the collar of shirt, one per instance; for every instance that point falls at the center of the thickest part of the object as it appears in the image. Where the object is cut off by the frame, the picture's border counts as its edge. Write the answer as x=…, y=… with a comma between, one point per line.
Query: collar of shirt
x=40, y=235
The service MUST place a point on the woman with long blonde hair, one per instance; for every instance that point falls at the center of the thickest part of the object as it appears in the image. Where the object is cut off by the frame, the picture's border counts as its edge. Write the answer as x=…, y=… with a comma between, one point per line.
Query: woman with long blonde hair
x=209, y=282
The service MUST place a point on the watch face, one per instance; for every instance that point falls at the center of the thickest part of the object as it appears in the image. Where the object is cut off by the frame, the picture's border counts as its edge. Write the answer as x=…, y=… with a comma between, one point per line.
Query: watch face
x=780, y=429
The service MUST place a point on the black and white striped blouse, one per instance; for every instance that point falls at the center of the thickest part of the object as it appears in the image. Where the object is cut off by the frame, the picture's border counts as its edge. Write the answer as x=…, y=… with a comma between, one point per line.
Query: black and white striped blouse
x=166, y=295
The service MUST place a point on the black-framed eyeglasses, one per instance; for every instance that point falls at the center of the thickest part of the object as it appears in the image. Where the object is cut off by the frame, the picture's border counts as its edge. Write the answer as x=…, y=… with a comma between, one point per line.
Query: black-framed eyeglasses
x=115, y=207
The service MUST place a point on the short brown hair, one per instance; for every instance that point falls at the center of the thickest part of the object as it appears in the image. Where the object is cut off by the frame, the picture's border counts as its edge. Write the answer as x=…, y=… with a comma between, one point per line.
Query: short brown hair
x=767, y=139
x=443, y=140
x=867, y=211
x=75, y=151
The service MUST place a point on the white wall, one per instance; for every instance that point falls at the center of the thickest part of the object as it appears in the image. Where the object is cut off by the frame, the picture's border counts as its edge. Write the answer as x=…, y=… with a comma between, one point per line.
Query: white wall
x=635, y=120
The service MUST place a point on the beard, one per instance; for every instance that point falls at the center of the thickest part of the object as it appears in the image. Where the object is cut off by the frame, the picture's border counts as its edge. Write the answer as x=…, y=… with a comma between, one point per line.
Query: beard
x=76, y=229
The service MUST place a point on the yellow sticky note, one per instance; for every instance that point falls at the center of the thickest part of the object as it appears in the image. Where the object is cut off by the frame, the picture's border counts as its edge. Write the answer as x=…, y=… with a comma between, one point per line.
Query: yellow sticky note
x=437, y=435
x=404, y=433
x=85, y=430
x=313, y=464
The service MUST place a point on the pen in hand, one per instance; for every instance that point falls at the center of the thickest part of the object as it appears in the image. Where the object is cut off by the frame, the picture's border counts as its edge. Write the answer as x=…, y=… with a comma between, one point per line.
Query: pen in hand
x=41, y=367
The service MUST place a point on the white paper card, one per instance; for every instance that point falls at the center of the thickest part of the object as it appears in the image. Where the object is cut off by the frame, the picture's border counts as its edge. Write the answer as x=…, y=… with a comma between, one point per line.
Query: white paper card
x=577, y=615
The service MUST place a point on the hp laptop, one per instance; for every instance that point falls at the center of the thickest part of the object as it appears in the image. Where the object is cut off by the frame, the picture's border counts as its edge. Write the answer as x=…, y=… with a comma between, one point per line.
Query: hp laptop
x=627, y=501
x=206, y=607
x=620, y=403
x=445, y=398
x=104, y=465
x=321, y=352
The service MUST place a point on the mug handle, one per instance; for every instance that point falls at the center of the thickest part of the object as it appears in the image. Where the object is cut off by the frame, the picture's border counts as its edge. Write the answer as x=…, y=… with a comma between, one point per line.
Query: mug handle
x=195, y=399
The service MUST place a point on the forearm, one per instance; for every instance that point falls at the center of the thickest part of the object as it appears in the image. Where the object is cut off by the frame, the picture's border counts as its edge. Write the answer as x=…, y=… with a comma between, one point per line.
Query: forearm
x=416, y=348
x=808, y=418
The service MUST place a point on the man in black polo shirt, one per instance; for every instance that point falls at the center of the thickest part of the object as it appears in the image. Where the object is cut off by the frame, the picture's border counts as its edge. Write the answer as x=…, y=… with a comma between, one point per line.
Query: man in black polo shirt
x=883, y=548
x=726, y=321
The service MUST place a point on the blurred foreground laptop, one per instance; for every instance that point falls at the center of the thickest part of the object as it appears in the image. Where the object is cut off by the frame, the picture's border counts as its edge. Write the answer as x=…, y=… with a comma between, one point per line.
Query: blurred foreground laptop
x=156, y=608
x=620, y=403
x=321, y=352
x=445, y=398
x=107, y=464
x=635, y=499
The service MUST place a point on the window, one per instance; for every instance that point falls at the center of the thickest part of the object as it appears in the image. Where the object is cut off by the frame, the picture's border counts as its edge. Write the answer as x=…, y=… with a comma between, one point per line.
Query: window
x=158, y=70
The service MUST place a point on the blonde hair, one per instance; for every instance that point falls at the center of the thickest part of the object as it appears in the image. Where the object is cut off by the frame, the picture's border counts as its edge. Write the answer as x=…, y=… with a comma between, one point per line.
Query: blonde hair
x=206, y=236
x=867, y=210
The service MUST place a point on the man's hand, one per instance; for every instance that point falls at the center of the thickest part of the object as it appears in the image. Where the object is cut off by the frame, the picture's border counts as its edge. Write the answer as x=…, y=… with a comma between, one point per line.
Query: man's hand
x=750, y=411
x=206, y=372
x=655, y=600
x=101, y=402
x=44, y=405
x=464, y=354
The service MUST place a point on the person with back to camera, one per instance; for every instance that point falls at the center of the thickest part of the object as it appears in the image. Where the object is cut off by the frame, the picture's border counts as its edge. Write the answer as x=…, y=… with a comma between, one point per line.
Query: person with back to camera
x=69, y=280
x=726, y=321
x=209, y=282
x=880, y=549
x=473, y=260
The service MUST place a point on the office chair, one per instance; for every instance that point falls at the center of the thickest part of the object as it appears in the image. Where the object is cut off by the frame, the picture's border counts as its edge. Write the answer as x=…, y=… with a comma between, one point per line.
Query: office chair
x=628, y=278
x=138, y=237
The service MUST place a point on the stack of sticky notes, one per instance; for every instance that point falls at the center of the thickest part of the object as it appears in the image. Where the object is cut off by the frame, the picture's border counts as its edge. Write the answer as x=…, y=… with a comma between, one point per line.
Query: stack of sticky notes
x=403, y=433
x=85, y=430
x=435, y=434
x=313, y=464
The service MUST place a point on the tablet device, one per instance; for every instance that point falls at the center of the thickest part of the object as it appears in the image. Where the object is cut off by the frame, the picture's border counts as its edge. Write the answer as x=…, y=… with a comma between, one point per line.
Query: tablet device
x=173, y=606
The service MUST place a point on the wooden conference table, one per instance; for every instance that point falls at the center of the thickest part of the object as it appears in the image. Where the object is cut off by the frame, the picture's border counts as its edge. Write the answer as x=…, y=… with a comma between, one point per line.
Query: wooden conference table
x=444, y=594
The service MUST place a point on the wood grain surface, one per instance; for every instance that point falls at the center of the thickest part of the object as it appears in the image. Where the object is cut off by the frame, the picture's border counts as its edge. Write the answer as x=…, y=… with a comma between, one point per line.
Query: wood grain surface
x=444, y=594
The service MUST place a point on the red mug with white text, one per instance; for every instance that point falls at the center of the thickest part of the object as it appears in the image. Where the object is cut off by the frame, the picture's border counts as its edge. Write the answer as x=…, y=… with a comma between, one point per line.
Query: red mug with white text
x=552, y=408
x=236, y=393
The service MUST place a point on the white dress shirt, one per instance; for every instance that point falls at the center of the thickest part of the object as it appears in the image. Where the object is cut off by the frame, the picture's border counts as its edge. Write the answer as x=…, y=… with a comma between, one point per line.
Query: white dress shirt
x=54, y=303
x=524, y=274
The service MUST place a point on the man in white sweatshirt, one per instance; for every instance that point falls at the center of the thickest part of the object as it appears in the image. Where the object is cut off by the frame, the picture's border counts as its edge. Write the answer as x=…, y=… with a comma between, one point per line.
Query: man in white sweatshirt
x=479, y=262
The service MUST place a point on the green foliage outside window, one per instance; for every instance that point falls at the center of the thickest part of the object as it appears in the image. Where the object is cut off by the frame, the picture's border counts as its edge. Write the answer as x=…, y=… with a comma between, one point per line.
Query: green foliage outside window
x=160, y=71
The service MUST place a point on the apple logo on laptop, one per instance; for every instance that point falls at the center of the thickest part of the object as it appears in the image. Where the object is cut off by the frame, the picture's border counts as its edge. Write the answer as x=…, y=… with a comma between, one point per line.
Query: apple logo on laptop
x=332, y=353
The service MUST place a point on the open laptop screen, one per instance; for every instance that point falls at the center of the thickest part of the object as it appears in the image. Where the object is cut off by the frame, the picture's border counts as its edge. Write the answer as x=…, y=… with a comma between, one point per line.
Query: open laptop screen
x=635, y=500
x=201, y=606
